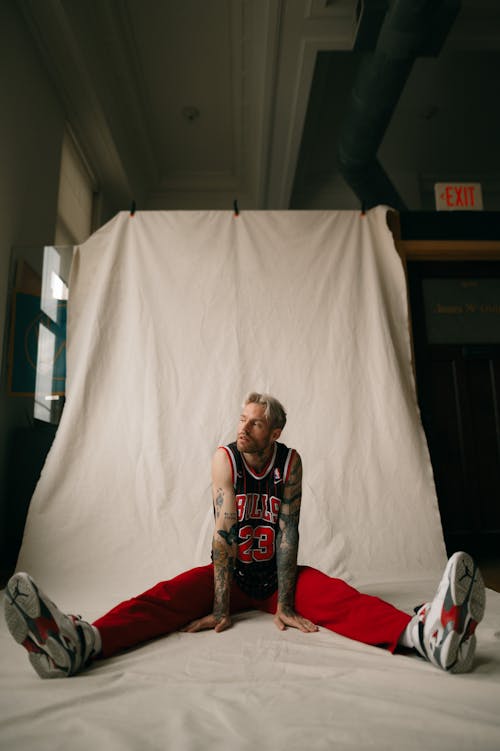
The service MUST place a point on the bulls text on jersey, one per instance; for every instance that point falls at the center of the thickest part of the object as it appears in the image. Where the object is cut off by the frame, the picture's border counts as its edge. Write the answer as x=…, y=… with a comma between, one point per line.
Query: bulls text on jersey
x=257, y=506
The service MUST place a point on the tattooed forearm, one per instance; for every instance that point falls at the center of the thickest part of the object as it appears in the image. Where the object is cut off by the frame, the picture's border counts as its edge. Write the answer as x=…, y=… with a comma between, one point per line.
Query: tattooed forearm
x=286, y=559
x=287, y=542
x=293, y=499
x=231, y=536
x=223, y=570
x=224, y=540
x=218, y=501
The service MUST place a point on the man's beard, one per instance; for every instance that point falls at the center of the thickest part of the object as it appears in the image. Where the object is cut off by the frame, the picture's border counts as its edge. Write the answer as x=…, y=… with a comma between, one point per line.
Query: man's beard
x=249, y=446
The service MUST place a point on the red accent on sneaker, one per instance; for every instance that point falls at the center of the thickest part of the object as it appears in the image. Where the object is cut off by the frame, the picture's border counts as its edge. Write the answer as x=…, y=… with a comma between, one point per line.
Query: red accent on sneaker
x=30, y=646
x=46, y=627
x=450, y=616
x=470, y=629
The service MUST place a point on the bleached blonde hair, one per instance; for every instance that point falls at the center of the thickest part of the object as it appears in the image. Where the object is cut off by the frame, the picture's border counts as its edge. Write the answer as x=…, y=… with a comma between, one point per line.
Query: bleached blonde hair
x=274, y=410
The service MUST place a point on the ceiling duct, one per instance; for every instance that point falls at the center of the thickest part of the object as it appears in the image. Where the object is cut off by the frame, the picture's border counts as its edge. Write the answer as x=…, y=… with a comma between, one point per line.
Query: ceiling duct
x=411, y=29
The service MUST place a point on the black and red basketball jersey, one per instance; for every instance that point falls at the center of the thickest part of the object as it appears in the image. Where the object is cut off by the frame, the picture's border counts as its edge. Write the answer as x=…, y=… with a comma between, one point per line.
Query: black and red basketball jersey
x=258, y=503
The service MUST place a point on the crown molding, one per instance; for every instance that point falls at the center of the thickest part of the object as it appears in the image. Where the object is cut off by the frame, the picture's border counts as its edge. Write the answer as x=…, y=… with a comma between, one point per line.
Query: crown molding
x=304, y=33
x=68, y=50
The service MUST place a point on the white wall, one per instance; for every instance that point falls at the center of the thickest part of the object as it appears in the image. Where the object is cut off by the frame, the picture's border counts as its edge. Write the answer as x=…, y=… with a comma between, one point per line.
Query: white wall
x=31, y=132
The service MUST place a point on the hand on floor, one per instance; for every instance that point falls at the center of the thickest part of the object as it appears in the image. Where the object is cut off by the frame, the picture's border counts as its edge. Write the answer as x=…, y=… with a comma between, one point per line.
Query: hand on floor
x=286, y=618
x=217, y=623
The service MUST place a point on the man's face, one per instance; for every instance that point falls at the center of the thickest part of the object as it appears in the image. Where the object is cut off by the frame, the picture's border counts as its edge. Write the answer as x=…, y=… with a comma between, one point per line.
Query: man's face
x=255, y=435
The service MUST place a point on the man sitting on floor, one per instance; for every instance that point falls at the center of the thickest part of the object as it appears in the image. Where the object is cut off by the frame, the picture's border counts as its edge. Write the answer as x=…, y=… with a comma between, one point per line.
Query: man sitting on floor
x=257, y=492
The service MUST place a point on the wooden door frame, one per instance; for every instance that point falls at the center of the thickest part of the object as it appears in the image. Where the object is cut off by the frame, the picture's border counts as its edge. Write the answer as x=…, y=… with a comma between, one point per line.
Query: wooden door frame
x=441, y=250
x=448, y=251
x=436, y=250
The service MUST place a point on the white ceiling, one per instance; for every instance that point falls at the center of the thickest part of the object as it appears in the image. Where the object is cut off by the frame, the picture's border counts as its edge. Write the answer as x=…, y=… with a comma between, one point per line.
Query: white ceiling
x=194, y=103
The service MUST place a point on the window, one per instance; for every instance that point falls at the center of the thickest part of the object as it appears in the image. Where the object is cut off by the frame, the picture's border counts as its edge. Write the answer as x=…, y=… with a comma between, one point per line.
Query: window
x=73, y=226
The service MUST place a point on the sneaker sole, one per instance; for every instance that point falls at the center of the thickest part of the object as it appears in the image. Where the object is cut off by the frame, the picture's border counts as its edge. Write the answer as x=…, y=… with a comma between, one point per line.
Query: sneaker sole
x=23, y=606
x=461, y=608
x=16, y=609
x=473, y=596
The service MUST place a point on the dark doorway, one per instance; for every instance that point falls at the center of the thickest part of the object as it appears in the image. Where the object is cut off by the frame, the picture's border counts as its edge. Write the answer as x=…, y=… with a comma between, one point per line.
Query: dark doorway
x=456, y=326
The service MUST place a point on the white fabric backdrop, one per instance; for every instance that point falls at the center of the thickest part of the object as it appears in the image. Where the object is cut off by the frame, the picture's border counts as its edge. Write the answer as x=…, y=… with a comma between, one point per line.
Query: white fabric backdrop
x=173, y=317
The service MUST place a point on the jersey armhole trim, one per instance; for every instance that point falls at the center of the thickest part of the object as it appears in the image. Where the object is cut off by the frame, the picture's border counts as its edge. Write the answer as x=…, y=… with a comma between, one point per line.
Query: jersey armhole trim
x=232, y=462
x=288, y=464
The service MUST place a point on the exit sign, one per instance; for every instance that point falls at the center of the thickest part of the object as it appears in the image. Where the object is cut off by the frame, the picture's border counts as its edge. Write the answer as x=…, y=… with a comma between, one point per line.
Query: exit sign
x=458, y=196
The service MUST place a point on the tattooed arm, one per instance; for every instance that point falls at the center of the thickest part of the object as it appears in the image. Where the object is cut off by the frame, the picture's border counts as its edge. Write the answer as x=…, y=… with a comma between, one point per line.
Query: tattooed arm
x=224, y=545
x=287, y=545
x=225, y=539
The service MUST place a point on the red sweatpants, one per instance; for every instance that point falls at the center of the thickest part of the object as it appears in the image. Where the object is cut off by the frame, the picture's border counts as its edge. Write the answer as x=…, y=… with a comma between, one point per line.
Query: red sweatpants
x=172, y=604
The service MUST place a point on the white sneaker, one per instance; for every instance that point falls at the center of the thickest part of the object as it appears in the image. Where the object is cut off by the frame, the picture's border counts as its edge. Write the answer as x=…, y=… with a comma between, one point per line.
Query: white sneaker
x=59, y=645
x=443, y=630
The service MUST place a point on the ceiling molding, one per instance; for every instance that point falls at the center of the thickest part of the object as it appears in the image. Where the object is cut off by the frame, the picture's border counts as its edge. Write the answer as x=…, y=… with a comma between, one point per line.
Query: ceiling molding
x=305, y=36
x=60, y=53
x=105, y=62
x=239, y=93
x=209, y=181
x=254, y=41
x=262, y=27
x=123, y=70
x=121, y=43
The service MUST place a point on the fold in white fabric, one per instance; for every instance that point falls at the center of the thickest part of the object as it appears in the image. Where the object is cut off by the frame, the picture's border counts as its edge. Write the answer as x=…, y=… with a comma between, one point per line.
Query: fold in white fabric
x=173, y=317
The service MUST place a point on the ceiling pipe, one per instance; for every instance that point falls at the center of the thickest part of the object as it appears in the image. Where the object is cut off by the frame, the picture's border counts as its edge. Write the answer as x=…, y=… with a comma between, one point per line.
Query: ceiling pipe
x=411, y=28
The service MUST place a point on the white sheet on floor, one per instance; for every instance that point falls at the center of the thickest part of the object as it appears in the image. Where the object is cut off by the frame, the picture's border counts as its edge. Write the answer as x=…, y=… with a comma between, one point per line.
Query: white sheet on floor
x=173, y=317
x=254, y=687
